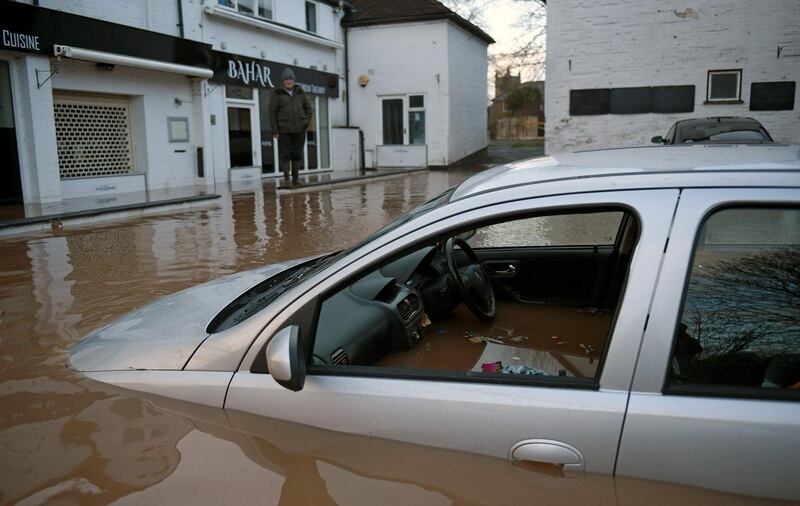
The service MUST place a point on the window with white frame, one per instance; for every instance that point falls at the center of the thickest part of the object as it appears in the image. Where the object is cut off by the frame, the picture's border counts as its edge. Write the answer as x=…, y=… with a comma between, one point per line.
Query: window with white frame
x=311, y=17
x=416, y=119
x=254, y=8
x=724, y=85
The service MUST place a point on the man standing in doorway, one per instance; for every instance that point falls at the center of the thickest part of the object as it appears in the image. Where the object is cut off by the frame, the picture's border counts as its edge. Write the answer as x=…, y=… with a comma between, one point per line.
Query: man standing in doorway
x=289, y=112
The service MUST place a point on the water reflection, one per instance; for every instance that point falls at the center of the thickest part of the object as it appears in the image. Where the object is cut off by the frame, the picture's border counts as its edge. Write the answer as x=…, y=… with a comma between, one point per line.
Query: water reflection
x=63, y=436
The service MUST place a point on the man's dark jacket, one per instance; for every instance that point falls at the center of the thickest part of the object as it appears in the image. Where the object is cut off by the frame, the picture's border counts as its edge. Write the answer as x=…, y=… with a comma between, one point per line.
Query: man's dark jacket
x=289, y=113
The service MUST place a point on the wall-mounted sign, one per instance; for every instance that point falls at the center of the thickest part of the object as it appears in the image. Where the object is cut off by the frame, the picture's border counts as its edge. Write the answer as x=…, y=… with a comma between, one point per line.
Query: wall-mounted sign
x=242, y=71
x=16, y=40
x=32, y=29
x=178, y=129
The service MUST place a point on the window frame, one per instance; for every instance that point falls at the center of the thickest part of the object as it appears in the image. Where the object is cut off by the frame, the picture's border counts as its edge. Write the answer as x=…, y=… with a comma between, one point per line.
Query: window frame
x=358, y=371
x=411, y=109
x=316, y=16
x=712, y=390
x=234, y=7
x=726, y=100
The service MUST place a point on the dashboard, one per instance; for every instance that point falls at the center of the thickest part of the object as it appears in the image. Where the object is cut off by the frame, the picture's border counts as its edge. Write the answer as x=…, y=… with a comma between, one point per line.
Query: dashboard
x=386, y=310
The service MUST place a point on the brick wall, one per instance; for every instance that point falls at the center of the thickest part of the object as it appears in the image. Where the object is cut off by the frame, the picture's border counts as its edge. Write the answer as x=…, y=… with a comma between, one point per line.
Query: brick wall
x=629, y=43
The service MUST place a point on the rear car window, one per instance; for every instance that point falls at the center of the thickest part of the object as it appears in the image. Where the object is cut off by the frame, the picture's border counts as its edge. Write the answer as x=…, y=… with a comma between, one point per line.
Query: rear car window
x=740, y=321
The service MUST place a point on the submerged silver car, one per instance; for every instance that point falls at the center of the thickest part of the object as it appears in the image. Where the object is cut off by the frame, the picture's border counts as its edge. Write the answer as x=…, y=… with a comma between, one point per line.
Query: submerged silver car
x=632, y=312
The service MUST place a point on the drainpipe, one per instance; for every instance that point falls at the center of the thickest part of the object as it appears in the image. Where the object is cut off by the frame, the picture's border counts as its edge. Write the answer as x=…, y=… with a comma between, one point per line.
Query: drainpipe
x=180, y=17
x=347, y=77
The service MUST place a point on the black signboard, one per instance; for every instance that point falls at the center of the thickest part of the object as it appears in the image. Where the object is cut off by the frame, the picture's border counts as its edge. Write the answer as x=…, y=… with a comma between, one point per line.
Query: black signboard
x=670, y=99
x=629, y=100
x=243, y=71
x=586, y=102
x=35, y=30
x=774, y=96
x=639, y=100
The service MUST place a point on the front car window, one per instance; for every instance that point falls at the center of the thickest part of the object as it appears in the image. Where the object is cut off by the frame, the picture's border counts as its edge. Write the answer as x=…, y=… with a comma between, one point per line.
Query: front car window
x=555, y=292
x=740, y=322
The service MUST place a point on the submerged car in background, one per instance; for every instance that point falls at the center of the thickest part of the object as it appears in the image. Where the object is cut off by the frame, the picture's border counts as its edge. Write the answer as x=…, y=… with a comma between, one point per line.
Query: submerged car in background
x=629, y=312
x=715, y=130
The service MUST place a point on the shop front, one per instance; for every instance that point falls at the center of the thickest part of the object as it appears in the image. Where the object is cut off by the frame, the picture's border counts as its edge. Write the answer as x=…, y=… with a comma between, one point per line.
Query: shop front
x=92, y=109
x=248, y=83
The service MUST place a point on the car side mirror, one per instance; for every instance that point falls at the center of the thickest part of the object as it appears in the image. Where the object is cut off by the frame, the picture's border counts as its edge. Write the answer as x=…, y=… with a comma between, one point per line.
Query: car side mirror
x=657, y=140
x=286, y=359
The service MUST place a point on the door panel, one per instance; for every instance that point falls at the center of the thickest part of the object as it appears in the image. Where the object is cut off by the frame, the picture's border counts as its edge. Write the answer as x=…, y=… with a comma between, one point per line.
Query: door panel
x=738, y=445
x=473, y=417
x=566, y=276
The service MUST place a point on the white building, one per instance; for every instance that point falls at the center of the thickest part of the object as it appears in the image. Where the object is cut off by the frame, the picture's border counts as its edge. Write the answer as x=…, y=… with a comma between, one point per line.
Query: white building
x=418, y=87
x=620, y=72
x=99, y=98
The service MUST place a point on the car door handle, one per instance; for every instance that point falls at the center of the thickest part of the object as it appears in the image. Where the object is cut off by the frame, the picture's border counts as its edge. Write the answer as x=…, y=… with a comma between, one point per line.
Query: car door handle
x=501, y=269
x=547, y=451
x=510, y=271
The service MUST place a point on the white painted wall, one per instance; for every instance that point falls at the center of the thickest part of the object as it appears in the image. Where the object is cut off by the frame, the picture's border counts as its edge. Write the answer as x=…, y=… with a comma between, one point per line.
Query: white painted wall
x=436, y=59
x=344, y=149
x=400, y=59
x=153, y=95
x=155, y=15
x=468, y=91
x=621, y=43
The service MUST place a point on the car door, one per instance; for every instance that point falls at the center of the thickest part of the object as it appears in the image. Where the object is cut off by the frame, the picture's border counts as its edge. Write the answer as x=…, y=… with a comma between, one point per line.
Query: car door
x=716, y=395
x=566, y=423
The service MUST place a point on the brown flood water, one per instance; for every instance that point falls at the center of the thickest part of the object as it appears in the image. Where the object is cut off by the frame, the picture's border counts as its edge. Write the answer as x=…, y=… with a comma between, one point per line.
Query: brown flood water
x=69, y=440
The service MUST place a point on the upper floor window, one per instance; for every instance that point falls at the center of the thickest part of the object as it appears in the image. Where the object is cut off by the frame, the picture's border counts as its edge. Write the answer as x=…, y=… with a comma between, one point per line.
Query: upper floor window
x=256, y=8
x=724, y=85
x=311, y=17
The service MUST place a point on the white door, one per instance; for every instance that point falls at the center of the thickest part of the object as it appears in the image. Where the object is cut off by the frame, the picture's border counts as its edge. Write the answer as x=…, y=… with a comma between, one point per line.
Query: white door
x=570, y=419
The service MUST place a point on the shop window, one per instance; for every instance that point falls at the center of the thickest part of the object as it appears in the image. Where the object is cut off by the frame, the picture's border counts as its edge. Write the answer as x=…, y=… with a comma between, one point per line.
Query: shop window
x=93, y=135
x=416, y=119
x=739, y=331
x=311, y=17
x=724, y=85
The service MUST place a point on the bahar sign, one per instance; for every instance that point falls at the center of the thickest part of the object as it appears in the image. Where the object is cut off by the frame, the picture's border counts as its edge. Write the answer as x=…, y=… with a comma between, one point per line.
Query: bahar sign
x=250, y=72
x=242, y=71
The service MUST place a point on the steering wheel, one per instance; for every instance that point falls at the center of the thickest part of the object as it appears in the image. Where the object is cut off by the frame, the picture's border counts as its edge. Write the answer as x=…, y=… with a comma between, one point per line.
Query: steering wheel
x=471, y=281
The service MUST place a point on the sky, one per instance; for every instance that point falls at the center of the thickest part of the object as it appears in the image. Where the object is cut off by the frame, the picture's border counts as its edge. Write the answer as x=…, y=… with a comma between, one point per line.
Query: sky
x=499, y=19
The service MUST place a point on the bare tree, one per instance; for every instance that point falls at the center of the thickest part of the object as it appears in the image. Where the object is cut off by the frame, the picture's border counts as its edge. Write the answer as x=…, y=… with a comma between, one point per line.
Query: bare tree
x=527, y=54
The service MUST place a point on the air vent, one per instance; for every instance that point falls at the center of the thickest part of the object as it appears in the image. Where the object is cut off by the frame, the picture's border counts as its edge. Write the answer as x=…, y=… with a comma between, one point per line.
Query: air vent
x=339, y=357
x=408, y=306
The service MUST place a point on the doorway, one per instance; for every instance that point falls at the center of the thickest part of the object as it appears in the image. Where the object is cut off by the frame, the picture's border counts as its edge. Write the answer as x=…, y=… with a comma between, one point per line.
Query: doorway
x=393, y=121
x=11, y=187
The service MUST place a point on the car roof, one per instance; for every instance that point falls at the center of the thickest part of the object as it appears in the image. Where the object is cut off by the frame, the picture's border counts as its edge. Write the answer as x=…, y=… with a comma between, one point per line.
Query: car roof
x=717, y=119
x=607, y=163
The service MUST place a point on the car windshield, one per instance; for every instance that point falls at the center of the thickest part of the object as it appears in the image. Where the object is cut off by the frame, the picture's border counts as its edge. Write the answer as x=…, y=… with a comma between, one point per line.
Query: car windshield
x=436, y=202
x=722, y=132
